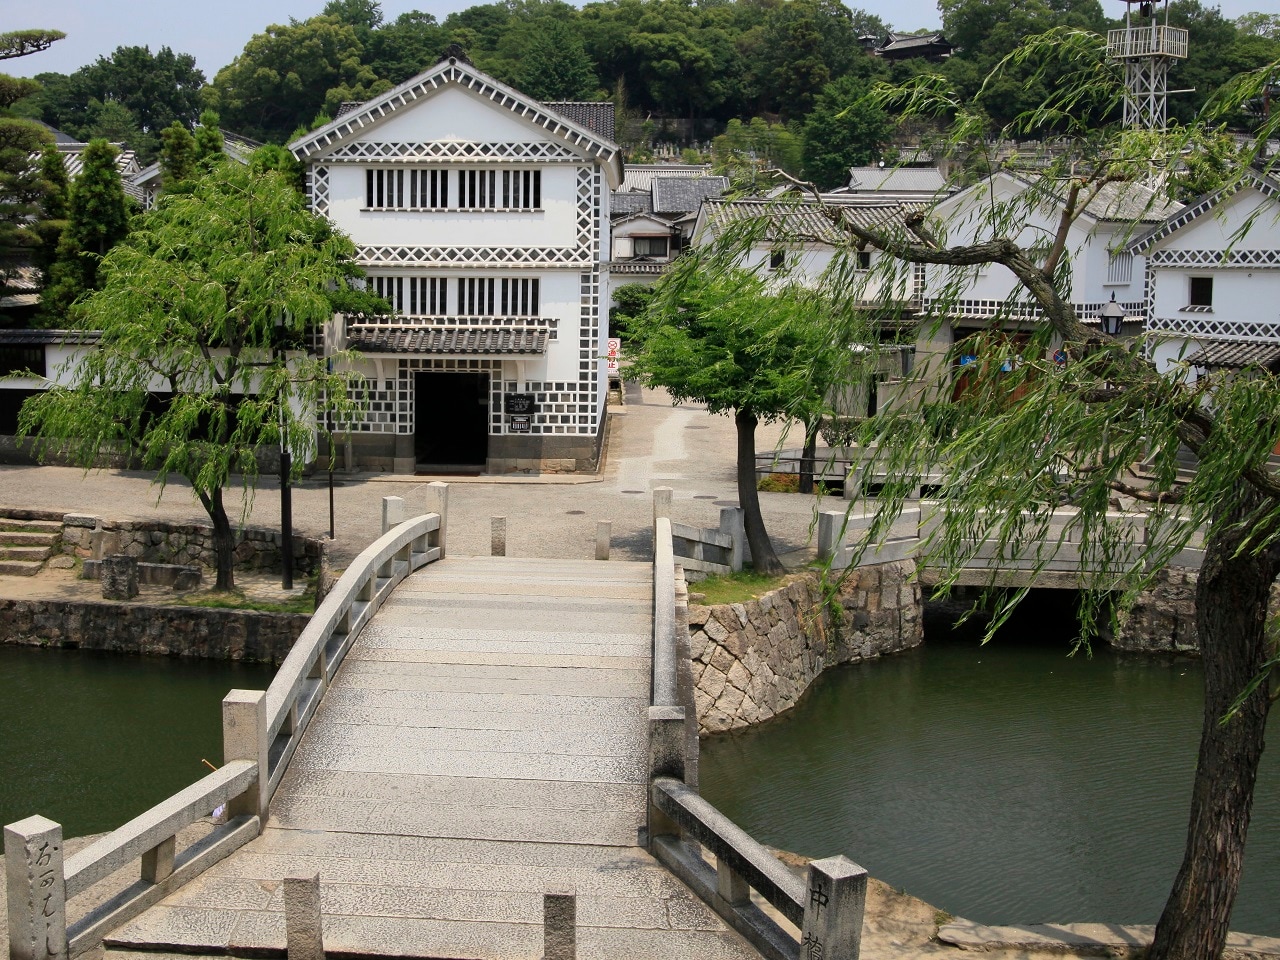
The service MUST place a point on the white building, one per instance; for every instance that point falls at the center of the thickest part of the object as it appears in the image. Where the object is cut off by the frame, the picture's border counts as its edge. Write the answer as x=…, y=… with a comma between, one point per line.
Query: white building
x=482, y=215
x=1213, y=281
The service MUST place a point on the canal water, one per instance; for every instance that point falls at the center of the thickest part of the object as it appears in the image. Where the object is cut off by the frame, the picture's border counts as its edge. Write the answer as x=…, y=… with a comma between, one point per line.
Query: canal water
x=91, y=740
x=1006, y=783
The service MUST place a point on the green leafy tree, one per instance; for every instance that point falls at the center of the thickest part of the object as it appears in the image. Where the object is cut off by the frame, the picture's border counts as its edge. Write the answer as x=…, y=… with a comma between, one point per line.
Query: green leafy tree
x=205, y=304
x=847, y=128
x=405, y=47
x=286, y=75
x=209, y=142
x=1026, y=434
x=715, y=334
x=22, y=189
x=630, y=300
x=745, y=151
x=54, y=206
x=97, y=219
x=178, y=155
x=554, y=64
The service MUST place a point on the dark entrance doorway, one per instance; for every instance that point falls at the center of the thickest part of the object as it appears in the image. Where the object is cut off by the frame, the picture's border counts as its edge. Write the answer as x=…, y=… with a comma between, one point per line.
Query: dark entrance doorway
x=451, y=414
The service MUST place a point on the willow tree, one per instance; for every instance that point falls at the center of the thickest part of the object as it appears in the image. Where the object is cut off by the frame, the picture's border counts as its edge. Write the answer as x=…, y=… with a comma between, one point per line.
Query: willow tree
x=1065, y=414
x=199, y=362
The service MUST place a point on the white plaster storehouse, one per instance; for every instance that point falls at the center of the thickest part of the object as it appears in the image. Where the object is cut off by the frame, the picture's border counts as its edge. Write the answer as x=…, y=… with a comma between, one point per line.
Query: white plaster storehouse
x=1213, y=281
x=482, y=215
x=1103, y=264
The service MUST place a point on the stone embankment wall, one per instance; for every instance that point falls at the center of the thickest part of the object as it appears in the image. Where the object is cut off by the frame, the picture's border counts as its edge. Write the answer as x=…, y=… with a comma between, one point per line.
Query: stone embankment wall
x=1163, y=618
x=754, y=660
x=199, y=632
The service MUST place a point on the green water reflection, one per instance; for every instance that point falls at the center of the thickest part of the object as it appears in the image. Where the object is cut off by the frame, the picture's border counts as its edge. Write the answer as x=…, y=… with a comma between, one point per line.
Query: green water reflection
x=92, y=740
x=1006, y=783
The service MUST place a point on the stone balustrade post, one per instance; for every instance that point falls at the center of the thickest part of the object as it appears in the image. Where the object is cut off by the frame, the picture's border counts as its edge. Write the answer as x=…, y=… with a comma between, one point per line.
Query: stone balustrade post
x=559, y=923
x=666, y=759
x=303, y=933
x=498, y=537
x=392, y=512
x=604, y=537
x=244, y=737
x=35, y=890
x=661, y=503
x=835, y=901
x=733, y=524
x=829, y=524
x=438, y=502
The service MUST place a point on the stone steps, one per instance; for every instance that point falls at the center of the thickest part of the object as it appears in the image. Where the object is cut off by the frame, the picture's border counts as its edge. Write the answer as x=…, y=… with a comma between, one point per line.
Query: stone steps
x=26, y=544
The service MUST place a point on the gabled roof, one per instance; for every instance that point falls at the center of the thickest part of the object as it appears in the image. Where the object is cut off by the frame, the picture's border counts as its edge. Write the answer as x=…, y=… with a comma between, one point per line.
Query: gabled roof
x=591, y=114
x=623, y=204
x=1236, y=355
x=685, y=194
x=644, y=215
x=804, y=221
x=1118, y=202
x=1267, y=186
x=928, y=180
x=639, y=176
x=73, y=158
x=914, y=45
x=454, y=71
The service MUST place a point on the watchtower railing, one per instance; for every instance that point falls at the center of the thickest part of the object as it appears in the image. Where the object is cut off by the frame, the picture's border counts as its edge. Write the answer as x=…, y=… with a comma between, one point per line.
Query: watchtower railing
x=260, y=732
x=1147, y=41
x=824, y=909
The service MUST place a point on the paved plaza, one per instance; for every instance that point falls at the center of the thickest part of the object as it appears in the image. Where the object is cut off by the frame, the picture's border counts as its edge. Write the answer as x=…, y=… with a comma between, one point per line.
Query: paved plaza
x=650, y=444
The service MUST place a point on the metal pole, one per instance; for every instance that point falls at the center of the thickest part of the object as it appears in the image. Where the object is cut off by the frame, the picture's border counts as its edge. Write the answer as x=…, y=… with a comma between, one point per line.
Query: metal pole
x=286, y=494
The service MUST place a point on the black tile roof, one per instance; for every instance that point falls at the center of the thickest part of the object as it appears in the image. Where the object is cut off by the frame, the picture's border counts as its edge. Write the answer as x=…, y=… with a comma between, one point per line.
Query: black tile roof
x=412, y=339
x=596, y=117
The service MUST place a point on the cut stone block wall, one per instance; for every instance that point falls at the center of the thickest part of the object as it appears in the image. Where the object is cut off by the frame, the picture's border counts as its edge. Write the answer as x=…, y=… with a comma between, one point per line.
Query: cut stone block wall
x=752, y=661
x=200, y=632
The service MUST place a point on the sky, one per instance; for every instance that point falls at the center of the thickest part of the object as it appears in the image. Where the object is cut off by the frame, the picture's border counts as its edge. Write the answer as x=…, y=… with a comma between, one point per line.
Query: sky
x=216, y=32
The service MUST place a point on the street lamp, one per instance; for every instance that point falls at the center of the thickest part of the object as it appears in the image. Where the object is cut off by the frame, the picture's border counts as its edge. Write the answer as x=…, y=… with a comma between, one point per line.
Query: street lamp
x=1111, y=317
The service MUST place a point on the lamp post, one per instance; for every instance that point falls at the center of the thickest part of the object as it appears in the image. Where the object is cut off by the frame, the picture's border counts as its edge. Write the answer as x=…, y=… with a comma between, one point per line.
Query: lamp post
x=1112, y=317
x=286, y=467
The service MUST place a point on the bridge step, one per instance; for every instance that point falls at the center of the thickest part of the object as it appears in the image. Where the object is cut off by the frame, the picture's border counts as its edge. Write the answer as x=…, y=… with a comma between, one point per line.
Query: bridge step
x=20, y=568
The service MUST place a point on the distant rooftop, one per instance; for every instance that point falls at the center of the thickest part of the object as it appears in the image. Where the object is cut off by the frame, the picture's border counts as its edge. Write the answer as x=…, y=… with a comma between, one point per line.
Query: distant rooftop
x=639, y=176
x=922, y=180
x=685, y=194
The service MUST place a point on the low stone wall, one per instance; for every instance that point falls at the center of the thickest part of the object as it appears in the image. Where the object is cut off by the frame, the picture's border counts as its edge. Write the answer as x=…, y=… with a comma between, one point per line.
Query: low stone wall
x=199, y=632
x=162, y=541
x=752, y=661
x=1163, y=618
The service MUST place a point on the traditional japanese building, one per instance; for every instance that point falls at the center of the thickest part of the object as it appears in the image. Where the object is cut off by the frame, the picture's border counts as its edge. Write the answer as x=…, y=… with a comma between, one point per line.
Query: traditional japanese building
x=482, y=215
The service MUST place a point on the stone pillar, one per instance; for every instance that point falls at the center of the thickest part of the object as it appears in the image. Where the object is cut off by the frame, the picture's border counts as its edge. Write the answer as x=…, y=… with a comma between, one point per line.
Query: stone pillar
x=666, y=759
x=498, y=537
x=119, y=577
x=36, y=890
x=835, y=900
x=392, y=512
x=303, y=936
x=604, y=535
x=244, y=737
x=559, y=923
x=438, y=502
x=661, y=503
x=733, y=524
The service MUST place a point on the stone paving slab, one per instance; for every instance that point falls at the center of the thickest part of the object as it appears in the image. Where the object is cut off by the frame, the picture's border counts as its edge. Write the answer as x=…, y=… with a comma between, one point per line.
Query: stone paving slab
x=517, y=825
x=582, y=603
x=472, y=791
x=517, y=619
x=389, y=620
x=581, y=679
x=559, y=661
x=1102, y=939
x=408, y=717
x=373, y=676
x=532, y=703
x=528, y=588
x=442, y=740
x=551, y=644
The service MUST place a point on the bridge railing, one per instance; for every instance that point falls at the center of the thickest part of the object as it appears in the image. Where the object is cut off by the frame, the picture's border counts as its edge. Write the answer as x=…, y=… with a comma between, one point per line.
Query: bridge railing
x=824, y=910
x=260, y=731
x=1061, y=549
x=716, y=550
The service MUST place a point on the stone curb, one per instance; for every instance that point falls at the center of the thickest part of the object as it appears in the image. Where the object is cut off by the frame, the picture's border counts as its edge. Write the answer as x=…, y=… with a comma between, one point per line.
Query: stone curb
x=1087, y=939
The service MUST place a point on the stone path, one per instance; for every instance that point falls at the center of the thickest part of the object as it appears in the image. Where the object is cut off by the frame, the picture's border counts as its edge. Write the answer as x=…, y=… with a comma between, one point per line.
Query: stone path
x=485, y=737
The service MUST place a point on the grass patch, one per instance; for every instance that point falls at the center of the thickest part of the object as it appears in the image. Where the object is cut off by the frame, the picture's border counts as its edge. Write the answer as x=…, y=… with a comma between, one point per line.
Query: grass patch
x=787, y=483
x=736, y=587
x=235, y=600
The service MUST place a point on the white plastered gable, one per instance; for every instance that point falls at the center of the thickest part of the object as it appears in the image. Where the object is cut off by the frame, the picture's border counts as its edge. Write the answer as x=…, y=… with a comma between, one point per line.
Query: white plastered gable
x=454, y=103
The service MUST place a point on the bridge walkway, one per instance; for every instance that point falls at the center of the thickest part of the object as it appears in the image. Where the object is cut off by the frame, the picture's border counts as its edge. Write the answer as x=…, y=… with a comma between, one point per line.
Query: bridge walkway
x=485, y=738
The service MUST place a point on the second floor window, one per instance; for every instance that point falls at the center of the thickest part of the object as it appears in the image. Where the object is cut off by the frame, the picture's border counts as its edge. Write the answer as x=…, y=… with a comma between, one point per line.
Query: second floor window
x=442, y=189
x=497, y=296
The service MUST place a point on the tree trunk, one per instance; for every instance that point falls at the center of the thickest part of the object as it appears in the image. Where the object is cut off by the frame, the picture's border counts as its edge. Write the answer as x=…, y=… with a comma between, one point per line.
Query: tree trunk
x=809, y=456
x=224, y=540
x=1231, y=611
x=763, y=559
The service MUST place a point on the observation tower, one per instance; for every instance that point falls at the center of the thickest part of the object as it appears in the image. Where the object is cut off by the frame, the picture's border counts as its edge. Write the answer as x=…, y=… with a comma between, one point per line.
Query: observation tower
x=1147, y=47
